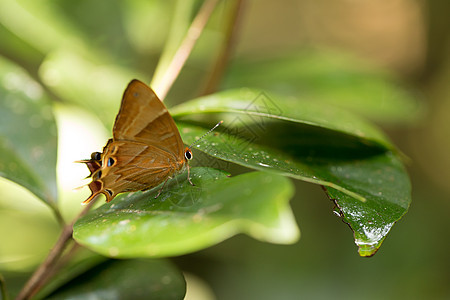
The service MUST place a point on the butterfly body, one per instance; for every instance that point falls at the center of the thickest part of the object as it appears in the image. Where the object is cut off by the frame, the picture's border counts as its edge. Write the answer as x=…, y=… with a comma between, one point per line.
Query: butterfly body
x=146, y=148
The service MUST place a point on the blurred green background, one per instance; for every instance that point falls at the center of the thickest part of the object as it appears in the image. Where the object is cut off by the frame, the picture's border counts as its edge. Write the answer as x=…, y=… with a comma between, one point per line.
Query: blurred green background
x=83, y=53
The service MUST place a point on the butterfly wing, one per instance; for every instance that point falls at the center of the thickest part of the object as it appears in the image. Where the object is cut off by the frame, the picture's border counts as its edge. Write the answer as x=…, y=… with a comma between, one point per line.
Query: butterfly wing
x=144, y=118
x=145, y=150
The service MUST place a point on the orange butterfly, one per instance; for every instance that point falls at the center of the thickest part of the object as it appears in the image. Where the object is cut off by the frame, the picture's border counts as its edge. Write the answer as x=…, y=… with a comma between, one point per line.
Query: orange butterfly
x=146, y=148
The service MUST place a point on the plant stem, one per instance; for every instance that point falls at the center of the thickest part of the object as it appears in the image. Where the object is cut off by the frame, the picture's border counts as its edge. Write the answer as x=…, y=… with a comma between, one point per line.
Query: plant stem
x=3, y=292
x=181, y=20
x=226, y=49
x=58, y=216
x=39, y=277
x=185, y=49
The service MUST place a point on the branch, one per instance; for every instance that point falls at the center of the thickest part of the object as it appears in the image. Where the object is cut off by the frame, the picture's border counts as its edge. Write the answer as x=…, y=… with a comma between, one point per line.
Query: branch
x=226, y=49
x=39, y=277
x=185, y=49
x=3, y=292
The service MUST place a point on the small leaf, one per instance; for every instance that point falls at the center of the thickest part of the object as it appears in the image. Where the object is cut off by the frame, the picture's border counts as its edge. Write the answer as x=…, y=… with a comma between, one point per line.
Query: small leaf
x=187, y=218
x=28, y=138
x=126, y=279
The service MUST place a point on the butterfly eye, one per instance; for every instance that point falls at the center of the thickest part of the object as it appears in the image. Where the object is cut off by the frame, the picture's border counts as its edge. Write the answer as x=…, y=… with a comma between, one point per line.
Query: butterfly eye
x=111, y=162
x=188, y=154
x=96, y=156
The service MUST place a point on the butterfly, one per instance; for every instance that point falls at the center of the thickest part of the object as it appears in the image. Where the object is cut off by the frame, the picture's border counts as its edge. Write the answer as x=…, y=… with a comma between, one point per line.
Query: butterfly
x=145, y=151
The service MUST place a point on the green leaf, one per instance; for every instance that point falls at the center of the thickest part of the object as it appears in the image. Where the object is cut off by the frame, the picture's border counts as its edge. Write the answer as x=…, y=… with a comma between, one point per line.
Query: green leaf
x=255, y=108
x=126, y=279
x=187, y=218
x=26, y=238
x=330, y=78
x=102, y=82
x=386, y=186
x=28, y=138
x=367, y=178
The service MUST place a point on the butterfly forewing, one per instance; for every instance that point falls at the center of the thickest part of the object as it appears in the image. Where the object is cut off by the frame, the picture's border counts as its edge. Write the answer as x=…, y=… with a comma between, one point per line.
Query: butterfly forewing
x=144, y=118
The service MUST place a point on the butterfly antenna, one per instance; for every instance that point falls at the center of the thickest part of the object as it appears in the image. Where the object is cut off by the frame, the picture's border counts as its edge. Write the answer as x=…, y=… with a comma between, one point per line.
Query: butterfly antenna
x=199, y=139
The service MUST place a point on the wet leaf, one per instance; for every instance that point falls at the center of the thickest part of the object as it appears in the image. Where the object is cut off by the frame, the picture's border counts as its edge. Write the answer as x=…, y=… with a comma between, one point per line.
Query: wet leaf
x=247, y=108
x=367, y=179
x=126, y=279
x=187, y=218
x=28, y=137
x=385, y=185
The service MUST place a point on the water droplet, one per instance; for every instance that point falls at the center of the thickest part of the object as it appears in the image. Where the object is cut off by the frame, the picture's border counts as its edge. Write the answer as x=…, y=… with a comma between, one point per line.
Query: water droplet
x=123, y=222
x=373, y=235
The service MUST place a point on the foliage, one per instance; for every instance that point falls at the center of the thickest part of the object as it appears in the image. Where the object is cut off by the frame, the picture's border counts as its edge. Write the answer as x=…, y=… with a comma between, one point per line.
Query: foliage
x=286, y=127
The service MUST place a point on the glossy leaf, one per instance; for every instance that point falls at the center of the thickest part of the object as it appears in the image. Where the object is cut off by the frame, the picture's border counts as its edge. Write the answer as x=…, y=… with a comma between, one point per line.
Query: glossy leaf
x=126, y=279
x=369, y=179
x=255, y=108
x=28, y=138
x=383, y=181
x=83, y=262
x=330, y=78
x=187, y=218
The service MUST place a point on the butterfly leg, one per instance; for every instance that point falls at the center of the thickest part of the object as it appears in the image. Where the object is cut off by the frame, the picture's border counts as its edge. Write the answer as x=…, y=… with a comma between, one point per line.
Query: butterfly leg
x=161, y=189
x=189, y=175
